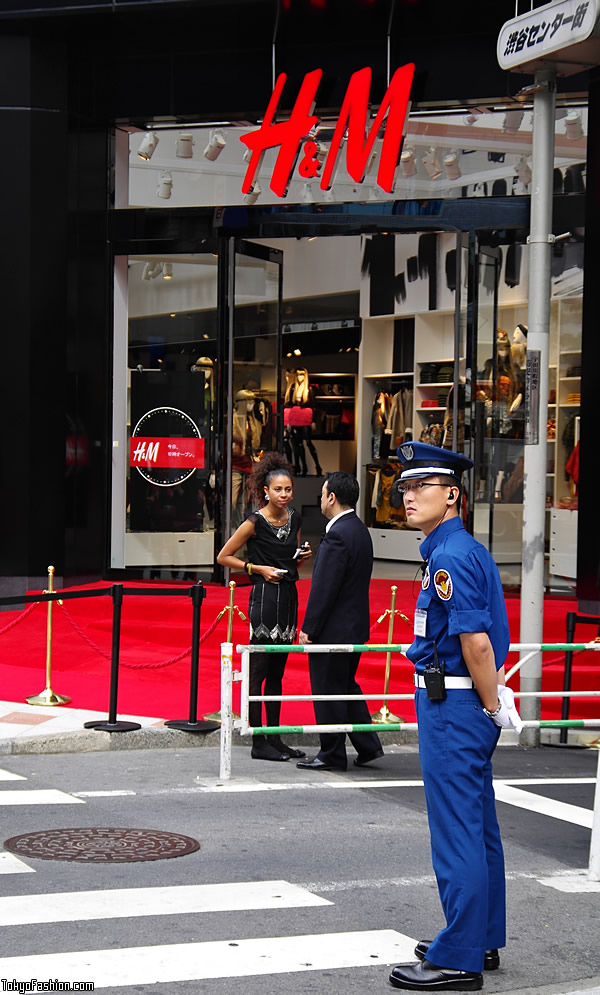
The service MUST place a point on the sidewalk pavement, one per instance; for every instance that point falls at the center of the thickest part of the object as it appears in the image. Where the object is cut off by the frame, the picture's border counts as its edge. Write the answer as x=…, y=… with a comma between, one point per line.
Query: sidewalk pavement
x=55, y=729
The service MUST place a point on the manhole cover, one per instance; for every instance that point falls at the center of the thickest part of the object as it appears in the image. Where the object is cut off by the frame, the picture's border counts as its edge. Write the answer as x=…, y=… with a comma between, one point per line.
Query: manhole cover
x=100, y=845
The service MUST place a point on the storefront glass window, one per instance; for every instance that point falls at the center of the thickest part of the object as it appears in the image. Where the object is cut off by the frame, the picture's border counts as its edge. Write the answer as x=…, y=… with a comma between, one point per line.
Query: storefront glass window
x=471, y=152
x=165, y=373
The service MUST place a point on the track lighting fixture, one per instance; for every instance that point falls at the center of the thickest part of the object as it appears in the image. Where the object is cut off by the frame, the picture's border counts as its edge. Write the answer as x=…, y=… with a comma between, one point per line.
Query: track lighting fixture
x=523, y=171
x=216, y=144
x=152, y=270
x=168, y=271
x=165, y=186
x=147, y=145
x=451, y=166
x=573, y=126
x=252, y=196
x=432, y=164
x=184, y=145
x=407, y=161
x=512, y=121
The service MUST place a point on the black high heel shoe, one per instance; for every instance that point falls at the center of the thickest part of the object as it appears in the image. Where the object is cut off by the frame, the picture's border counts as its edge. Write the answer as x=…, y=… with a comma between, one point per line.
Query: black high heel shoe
x=278, y=744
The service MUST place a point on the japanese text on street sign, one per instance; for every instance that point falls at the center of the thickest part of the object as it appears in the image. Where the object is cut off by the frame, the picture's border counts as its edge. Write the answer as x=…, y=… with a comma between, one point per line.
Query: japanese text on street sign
x=545, y=30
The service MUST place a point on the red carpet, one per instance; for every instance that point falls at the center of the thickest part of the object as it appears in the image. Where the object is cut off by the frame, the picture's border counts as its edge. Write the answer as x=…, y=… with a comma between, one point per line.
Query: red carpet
x=156, y=630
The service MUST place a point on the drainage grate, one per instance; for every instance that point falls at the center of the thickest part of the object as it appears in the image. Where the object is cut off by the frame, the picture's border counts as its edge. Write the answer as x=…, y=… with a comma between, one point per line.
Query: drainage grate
x=101, y=845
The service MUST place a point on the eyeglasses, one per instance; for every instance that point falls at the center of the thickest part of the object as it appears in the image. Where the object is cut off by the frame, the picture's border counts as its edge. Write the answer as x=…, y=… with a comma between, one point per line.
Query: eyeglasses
x=418, y=486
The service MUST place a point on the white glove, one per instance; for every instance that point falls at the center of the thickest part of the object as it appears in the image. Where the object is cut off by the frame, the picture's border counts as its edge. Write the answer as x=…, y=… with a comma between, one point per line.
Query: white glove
x=507, y=715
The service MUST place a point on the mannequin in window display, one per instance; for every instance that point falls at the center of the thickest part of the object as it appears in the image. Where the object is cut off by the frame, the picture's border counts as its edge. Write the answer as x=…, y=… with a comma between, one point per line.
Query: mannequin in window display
x=298, y=419
x=498, y=389
x=241, y=452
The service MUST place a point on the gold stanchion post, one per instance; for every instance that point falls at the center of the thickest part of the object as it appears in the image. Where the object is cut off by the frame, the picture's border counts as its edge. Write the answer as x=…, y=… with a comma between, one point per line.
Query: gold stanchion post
x=384, y=715
x=47, y=696
x=231, y=608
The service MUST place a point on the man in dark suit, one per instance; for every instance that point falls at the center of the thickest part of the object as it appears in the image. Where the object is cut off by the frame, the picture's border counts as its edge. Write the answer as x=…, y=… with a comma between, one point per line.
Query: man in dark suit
x=338, y=612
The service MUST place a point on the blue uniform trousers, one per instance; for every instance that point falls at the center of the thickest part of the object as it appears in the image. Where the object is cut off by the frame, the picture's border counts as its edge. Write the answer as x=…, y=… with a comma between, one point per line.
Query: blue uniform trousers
x=456, y=743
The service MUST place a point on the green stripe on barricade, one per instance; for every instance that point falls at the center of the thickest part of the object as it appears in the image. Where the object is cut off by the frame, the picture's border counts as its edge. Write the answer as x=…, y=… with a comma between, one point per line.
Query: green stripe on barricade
x=360, y=727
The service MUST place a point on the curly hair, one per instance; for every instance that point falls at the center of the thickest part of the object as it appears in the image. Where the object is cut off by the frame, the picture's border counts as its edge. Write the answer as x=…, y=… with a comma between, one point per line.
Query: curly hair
x=270, y=465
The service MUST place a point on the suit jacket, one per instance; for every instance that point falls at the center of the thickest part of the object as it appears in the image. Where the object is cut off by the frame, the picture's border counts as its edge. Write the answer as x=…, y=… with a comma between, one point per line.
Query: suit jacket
x=338, y=603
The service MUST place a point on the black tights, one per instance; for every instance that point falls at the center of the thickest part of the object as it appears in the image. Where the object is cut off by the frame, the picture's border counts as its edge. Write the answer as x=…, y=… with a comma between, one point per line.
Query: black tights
x=267, y=669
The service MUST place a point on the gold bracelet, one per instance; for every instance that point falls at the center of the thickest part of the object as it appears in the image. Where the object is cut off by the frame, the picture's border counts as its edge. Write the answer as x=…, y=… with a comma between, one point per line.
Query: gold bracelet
x=248, y=569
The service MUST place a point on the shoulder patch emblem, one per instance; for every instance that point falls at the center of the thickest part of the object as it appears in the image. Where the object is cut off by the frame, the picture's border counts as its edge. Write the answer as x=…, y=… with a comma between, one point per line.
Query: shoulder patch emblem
x=426, y=579
x=442, y=582
x=407, y=452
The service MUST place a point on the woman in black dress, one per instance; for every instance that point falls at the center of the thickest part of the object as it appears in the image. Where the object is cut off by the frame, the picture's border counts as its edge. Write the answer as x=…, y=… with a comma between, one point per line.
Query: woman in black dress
x=271, y=536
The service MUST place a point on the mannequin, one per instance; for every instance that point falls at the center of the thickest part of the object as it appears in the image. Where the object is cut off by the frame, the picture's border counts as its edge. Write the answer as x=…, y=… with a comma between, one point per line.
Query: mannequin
x=298, y=418
x=518, y=359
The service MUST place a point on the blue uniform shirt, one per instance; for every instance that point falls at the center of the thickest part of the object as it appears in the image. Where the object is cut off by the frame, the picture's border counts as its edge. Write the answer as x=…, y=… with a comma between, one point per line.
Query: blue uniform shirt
x=460, y=592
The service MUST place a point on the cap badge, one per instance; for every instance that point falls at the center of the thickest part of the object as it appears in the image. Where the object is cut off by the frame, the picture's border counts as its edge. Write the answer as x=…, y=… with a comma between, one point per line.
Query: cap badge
x=442, y=581
x=407, y=452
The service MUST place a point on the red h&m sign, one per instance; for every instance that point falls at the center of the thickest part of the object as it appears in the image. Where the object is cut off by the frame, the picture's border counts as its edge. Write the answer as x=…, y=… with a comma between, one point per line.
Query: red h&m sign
x=351, y=125
x=166, y=453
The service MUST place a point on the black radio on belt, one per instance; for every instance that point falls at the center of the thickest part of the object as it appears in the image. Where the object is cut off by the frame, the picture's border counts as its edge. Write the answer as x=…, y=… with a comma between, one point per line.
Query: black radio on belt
x=435, y=683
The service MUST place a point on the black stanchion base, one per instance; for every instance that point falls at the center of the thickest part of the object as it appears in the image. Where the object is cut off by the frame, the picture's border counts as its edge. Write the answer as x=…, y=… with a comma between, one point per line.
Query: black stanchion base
x=201, y=725
x=112, y=726
x=566, y=746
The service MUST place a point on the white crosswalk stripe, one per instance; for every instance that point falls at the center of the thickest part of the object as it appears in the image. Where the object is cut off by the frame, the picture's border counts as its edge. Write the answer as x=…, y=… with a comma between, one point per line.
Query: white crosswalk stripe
x=38, y=796
x=7, y=775
x=234, y=958
x=11, y=864
x=75, y=906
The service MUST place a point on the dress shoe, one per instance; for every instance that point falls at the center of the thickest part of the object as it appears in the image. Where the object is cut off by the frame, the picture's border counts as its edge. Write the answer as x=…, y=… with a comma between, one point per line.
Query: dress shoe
x=491, y=960
x=268, y=752
x=426, y=977
x=366, y=758
x=316, y=764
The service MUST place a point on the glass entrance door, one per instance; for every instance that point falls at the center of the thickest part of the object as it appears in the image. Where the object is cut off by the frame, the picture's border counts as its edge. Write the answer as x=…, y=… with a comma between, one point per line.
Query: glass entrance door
x=497, y=418
x=253, y=393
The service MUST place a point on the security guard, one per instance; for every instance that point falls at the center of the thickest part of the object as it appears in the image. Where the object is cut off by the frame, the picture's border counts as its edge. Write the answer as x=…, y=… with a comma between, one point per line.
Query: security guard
x=461, y=641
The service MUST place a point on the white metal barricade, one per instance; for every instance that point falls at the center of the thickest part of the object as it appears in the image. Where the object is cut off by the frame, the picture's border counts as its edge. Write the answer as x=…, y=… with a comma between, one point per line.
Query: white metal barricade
x=228, y=723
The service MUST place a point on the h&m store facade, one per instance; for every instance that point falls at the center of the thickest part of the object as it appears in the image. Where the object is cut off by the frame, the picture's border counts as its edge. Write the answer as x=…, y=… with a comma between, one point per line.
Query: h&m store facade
x=171, y=315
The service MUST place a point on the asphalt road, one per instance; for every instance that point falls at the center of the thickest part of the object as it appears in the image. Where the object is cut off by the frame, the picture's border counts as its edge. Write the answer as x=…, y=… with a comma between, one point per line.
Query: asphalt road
x=355, y=846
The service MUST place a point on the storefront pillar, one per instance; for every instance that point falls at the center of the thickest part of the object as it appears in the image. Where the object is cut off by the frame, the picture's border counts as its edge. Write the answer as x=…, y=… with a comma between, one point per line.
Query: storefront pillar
x=538, y=351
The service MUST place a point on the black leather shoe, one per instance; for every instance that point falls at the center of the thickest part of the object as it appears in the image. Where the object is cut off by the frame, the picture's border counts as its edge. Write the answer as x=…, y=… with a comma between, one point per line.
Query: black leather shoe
x=268, y=753
x=366, y=758
x=316, y=764
x=426, y=977
x=491, y=960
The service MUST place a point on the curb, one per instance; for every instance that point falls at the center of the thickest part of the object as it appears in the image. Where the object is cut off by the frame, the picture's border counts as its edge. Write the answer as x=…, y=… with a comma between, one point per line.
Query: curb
x=164, y=738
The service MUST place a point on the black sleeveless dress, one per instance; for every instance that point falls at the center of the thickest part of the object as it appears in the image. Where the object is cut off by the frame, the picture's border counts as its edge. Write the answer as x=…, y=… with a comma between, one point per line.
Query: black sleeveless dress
x=273, y=608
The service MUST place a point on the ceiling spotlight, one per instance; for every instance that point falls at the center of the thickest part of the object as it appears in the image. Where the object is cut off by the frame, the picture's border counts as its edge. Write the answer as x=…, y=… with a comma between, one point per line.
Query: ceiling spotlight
x=147, y=145
x=216, y=144
x=168, y=271
x=253, y=195
x=573, y=125
x=523, y=171
x=512, y=121
x=432, y=164
x=184, y=145
x=451, y=166
x=407, y=161
x=297, y=352
x=165, y=186
x=152, y=270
